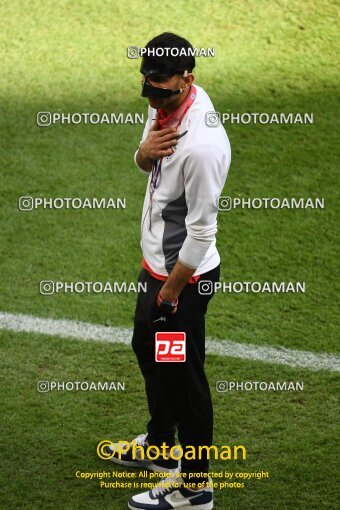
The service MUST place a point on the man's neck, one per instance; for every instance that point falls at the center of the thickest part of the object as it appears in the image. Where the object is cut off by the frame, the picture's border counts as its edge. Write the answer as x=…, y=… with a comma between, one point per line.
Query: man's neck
x=173, y=106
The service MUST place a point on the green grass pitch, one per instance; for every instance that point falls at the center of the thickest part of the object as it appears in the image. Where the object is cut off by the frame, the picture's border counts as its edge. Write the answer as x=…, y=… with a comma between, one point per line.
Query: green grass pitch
x=70, y=56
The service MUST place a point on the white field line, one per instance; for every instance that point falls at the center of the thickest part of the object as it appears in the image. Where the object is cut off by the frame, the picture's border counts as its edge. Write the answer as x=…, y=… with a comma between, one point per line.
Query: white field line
x=228, y=348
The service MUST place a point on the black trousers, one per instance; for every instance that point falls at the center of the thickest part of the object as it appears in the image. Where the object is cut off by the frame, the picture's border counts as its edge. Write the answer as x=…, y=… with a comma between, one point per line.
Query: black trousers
x=178, y=392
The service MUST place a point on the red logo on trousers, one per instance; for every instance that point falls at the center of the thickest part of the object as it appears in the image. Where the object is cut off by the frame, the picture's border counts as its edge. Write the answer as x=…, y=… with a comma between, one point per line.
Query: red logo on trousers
x=170, y=347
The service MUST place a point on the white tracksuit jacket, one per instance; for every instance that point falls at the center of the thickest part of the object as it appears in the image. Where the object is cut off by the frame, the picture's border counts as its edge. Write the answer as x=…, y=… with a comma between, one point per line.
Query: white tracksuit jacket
x=185, y=204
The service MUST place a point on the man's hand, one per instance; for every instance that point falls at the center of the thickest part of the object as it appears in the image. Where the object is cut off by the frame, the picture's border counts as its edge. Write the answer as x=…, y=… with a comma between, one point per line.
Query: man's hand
x=156, y=145
x=178, y=279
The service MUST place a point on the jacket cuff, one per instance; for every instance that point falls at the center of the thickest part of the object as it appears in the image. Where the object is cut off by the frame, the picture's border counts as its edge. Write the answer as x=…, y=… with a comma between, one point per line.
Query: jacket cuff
x=141, y=169
x=193, y=251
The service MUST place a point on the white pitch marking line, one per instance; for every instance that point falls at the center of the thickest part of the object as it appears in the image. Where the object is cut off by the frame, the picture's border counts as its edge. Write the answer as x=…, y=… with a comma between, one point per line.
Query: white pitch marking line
x=227, y=348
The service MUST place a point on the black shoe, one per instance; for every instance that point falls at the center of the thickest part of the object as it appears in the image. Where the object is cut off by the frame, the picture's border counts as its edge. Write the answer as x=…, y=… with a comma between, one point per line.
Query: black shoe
x=170, y=493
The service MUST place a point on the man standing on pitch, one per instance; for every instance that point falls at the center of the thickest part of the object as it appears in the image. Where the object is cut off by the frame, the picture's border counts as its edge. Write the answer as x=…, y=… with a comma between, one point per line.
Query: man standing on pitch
x=187, y=163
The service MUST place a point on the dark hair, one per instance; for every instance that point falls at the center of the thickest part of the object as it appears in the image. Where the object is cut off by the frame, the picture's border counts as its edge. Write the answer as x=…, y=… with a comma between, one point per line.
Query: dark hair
x=171, y=62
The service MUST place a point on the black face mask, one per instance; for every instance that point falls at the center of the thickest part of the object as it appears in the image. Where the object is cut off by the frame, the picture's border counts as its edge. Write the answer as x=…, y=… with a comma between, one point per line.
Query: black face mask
x=157, y=92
